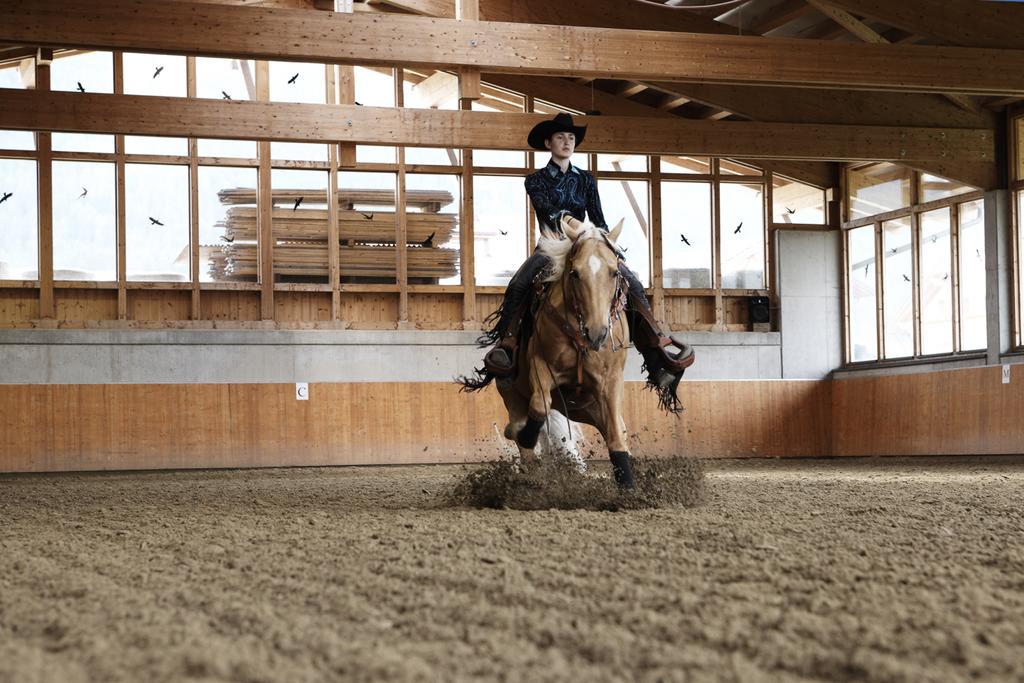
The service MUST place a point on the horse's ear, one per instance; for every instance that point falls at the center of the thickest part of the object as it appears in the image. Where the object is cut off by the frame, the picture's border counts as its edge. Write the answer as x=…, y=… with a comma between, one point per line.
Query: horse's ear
x=616, y=231
x=571, y=227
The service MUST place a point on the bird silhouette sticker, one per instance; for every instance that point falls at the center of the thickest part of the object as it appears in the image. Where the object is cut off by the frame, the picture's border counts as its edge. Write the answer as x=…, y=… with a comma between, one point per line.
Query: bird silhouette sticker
x=7, y=195
x=157, y=72
x=154, y=221
x=81, y=88
x=85, y=191
x=226, y=96
x=738, y=228
x=297, y=202
x=291, y=81
x=686, y=241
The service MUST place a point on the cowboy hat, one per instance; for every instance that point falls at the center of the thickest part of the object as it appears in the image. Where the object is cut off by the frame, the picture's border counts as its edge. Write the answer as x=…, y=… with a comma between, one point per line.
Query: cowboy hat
x=562, y=123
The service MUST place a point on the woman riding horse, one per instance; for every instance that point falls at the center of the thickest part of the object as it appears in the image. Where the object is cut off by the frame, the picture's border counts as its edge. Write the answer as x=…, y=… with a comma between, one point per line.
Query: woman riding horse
x=556, y=190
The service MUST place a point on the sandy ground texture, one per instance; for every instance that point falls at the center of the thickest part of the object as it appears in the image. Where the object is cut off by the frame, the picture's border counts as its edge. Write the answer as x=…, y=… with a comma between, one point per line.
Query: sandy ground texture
x=877, y=570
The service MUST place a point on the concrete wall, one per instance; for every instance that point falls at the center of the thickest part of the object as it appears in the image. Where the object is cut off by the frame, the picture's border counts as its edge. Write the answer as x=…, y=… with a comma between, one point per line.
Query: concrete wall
x=269, y=356
x=810, y=322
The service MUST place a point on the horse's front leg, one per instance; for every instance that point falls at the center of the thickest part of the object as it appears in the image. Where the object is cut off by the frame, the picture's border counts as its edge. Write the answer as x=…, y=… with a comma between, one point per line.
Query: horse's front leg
x=541, y=384
x=613, y=429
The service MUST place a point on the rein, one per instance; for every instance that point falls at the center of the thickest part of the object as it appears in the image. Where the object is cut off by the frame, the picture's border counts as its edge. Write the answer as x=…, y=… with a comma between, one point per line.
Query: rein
x=571, y=299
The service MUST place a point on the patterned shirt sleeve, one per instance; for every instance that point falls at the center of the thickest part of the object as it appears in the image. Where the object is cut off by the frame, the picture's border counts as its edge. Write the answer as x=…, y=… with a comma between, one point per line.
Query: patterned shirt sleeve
x=594, y=210
x=542, y=202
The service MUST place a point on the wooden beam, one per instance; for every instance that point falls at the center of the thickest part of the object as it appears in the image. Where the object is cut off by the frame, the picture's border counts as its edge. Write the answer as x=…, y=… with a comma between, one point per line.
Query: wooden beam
x=959, y=22
x=602, y=13
x=362, y=38
x=142, y=115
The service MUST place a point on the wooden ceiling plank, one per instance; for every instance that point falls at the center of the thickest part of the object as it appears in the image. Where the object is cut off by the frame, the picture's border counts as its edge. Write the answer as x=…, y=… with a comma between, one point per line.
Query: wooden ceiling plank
x=580, y=98
x=359, y=38
x=959, y=22
x=867, y=34
x=830, y=106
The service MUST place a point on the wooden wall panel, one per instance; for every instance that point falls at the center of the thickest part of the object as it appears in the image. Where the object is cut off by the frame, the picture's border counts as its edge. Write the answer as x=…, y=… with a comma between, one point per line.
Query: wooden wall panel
x=436, y=311
x=737, y=310
x=956, y=412
x=487, y=304
x=18, y=306
x=154, y=426
x=370, y=310
x=229, y=305
x=86, y=304
x=302, y=306
x=689, y=310
x=158, y=305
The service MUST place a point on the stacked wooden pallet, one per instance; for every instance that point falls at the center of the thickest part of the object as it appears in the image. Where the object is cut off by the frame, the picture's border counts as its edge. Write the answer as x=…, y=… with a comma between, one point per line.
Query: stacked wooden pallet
x=366, y=236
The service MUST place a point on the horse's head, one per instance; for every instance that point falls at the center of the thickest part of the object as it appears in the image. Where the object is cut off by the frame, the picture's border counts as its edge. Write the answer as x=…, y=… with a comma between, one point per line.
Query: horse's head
x=592, y=277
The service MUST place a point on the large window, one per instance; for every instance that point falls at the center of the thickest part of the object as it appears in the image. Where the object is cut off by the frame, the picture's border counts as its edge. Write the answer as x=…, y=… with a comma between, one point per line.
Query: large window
x=19, y=247
x=686, y=242
x=897, y=285
x=863, y=293
x=125, y=207
x=84, y=221
x=932, y=275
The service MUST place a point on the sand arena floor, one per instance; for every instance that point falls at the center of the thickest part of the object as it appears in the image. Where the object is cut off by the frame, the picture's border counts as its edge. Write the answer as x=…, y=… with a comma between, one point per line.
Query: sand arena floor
x=827, y=570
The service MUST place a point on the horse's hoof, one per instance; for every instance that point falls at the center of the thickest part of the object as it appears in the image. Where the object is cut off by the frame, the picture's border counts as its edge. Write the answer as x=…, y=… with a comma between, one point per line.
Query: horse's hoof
x=529, y=434
x=622, y=470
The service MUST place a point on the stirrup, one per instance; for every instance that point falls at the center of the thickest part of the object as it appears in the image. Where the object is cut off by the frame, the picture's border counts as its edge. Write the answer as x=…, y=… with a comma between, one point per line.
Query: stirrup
x=675, y=362
x=498, y=361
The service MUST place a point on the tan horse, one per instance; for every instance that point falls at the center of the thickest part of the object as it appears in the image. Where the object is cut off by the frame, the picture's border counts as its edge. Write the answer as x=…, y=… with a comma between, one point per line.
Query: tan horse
x=574, y=360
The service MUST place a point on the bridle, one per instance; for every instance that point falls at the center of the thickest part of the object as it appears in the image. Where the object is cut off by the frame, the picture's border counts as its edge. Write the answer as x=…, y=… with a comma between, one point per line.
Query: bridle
x=570, y=296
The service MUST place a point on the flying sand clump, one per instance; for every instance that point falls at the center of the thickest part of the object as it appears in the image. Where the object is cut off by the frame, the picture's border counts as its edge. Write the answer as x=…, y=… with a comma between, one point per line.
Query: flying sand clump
x=557, y=483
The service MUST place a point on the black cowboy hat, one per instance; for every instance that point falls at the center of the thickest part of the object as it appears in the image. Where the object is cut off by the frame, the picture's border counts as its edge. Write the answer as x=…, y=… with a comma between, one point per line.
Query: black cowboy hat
x=562, y=123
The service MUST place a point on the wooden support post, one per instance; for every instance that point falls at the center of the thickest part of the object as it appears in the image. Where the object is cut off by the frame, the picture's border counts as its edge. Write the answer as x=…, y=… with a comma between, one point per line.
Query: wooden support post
x=44, y=195
x=657, y=256
x=770, y=255
x=346, y=89
x=334, y=152
x=193, y=193
x=716, y=230
x=954, y=271
x=467, y=268
x=121, y=223
x=401, y=220
x=265, y=201
x=915, y=264
x=469, y=77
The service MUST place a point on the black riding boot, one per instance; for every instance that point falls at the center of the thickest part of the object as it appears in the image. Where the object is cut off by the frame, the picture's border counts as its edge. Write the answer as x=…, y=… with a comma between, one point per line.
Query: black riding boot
x=500, y=361
x=664, y=369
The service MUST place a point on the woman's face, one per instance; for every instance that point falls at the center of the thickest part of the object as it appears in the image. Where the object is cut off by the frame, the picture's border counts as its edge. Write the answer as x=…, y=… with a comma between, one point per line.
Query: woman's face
x=561, y=144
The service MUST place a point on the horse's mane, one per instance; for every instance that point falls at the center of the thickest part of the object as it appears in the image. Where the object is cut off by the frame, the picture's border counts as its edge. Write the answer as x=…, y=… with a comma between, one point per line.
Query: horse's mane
x=557, y=248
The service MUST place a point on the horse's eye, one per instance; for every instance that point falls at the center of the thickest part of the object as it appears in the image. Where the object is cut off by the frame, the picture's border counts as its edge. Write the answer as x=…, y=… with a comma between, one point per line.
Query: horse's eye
x=612, y=272
x=574, y=274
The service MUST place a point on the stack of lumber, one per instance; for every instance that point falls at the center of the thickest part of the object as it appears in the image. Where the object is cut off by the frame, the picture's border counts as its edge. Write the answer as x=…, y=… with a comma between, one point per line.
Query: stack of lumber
x=366, y=237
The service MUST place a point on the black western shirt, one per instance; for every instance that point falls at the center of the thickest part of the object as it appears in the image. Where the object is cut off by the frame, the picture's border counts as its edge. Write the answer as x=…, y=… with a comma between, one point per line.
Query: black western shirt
x=575, y=191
